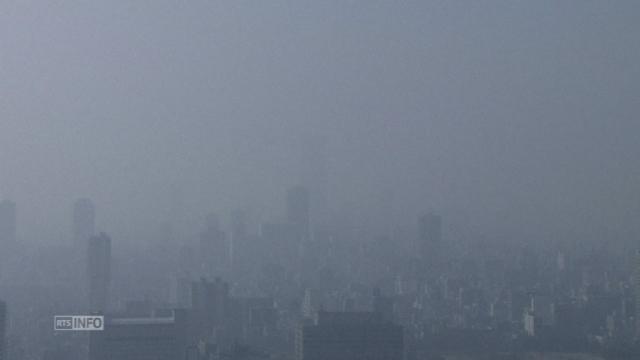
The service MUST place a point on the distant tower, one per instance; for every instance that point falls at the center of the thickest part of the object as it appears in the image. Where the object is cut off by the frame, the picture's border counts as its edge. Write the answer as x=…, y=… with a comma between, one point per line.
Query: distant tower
x=7, y=225
x=84, y=223
x=99, y=272
x=298, y=210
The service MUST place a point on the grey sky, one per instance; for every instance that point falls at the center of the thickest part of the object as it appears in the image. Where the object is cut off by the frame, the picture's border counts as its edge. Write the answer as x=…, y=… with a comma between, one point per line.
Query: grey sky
x=500, y=114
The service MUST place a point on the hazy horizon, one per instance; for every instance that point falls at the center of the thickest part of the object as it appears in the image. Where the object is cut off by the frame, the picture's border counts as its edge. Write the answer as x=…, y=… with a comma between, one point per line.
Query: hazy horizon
x=508, y=117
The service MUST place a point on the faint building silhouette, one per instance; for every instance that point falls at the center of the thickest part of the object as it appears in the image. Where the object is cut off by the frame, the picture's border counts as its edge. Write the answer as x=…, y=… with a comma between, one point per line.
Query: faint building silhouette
x=214, y=249
x=84, y=223
x=350, y=335
x=99, y=272
x=383, y=305
x=210, y=306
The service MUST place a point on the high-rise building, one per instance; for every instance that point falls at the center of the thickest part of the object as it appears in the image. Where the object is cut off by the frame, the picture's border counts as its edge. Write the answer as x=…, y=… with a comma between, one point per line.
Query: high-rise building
x=210, y=306
x=350, y=335
x=298, y=210
x=84, y=223
x=3, y=330
x=99, y=272
x=7, y=225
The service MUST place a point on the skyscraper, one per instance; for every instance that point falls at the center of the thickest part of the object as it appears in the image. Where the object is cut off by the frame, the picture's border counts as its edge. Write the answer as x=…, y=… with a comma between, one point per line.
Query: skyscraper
x=298, y=210
x=99, y=272
x=7, y=225
x=84, y=227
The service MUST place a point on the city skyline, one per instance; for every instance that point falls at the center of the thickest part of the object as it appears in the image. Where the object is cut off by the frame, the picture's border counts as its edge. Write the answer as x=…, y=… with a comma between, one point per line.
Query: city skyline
x=320, y=180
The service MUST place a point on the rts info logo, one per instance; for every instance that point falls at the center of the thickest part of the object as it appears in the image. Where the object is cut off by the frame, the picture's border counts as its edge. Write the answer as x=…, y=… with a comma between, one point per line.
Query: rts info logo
x=79, y=323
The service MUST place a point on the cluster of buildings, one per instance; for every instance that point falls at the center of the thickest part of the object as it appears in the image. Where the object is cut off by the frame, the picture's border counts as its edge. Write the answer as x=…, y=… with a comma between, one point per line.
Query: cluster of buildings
x=291, y=290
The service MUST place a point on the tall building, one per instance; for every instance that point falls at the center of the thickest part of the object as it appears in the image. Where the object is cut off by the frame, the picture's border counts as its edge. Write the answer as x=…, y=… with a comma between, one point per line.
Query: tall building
x=3, y=330
x=210, y=304
x=7, y=225
x=84, y=223
x=298, y=213
x=99, y=272
x=350, y=335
